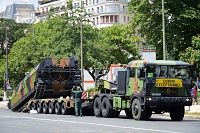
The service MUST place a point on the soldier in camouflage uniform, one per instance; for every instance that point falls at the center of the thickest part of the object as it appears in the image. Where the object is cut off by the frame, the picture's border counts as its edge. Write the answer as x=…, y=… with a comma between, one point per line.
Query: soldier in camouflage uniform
x=78, y=102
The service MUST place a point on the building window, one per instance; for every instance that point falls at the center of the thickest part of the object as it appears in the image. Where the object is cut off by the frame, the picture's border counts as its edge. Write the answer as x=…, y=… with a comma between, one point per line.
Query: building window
x=102, y=19
x=111, y=19
x=88, y=10
x=90, y=2
x=101, y=9
x=97, y=20
x=97, y=1
x=115, y=20
x=128, y=18
x=92, y=10
x=97, y=9
x=93, y=21
x=42, y=10
x=107, y=19
x=86, y=2
x=46, y=9
x=124, y=18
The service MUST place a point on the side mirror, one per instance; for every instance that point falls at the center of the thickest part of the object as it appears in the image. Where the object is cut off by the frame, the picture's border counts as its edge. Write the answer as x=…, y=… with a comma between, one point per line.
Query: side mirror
x=139, y=73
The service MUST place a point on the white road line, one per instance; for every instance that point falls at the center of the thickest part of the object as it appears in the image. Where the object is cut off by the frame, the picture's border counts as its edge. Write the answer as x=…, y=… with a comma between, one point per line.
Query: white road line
x=86, y=123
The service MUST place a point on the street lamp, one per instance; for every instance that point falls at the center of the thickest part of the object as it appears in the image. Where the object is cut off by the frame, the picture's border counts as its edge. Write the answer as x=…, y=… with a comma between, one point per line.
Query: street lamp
x=163, y=26
x=6, y=74
x=81, y=36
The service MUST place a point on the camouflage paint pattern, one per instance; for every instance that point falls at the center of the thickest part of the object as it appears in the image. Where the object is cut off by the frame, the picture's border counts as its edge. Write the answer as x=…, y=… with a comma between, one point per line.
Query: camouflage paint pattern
x=47, y=80
x=136, y=85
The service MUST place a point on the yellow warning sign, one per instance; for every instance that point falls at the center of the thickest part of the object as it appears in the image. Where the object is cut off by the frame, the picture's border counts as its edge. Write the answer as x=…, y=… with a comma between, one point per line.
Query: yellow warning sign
x=175, y=83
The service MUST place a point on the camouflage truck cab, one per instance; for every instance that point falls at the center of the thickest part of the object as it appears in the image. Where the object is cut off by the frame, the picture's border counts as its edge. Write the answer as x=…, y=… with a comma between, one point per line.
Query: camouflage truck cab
x=149, y=86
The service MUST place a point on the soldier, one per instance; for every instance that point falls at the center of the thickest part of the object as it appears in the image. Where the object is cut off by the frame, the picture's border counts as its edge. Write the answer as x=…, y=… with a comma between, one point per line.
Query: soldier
x=78, y=102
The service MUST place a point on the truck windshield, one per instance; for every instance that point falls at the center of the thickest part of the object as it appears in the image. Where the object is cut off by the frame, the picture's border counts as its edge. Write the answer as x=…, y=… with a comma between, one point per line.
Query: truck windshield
x=167, y=71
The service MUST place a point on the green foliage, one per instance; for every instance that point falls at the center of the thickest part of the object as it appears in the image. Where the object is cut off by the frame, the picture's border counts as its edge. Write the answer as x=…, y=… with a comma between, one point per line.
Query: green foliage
x=92, y=91
x=180, y=28
x=192, y=53
x=15, y=32
x=60, y=37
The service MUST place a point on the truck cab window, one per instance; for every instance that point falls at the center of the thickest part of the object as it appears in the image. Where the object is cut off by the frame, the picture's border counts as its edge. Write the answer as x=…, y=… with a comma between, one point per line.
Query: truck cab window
x=132, y=72
x=151, y=71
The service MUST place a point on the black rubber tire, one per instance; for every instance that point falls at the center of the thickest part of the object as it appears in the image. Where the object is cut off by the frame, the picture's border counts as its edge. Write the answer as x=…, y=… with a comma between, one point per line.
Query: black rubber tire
x=129, y=113
x=39, y=107
x=137, y=112
x=107, y=110
x=148, y=112
x=33, y=106
x=51, y=108
x=97, y=107
x=177, y=113
x=64, y=110
x=45, y=108
x=57, y=108
x=116, y=114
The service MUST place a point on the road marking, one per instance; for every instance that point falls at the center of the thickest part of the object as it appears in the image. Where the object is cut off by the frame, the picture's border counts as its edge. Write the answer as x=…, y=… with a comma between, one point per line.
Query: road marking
x=96, y=124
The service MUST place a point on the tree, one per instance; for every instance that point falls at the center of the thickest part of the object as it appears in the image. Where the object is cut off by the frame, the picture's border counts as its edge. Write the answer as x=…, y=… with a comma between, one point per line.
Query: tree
x=112, y=45
x=192, y=53
x=181, y=20
x=16, y=31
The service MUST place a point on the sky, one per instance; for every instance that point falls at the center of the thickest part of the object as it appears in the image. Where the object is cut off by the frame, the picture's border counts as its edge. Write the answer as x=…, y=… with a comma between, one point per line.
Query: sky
x=4, y=3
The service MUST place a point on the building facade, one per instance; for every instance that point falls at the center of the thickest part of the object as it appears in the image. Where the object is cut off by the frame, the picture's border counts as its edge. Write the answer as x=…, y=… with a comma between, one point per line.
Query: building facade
x=19, y=11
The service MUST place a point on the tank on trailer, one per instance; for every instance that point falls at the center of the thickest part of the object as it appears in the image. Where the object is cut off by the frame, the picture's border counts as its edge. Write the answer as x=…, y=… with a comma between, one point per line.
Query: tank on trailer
x=49, y=79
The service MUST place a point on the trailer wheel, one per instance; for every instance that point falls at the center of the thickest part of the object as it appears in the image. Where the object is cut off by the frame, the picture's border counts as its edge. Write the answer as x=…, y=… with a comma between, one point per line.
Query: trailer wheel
x=64, y=110
x=177, y=113
x=51, y=108
x=39, y=107
x=45, y=108
x=32, y=106
x=129, y=113
x=57, y=108
x=107, y=110
x=97, y=107
x=137, y=112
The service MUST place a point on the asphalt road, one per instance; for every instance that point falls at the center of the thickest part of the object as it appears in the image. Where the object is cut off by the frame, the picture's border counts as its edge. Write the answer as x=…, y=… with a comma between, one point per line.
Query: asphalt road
x=14, y=122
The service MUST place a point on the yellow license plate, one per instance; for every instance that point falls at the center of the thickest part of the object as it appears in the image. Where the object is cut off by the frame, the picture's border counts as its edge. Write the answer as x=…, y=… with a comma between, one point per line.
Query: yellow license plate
x=173, y=83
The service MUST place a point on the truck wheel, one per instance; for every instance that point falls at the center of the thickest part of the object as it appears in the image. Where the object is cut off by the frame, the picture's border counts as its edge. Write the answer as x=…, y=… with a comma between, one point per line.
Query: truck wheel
x=64, y=110
x=51, y=108
x=137, y=112
x=97, y=107
x=57, y=108
x=129, y=114
x=148, y=112
x=107, y=110
x=177, y=113
x=39, y=107
x=45, y=108
x=32, y=106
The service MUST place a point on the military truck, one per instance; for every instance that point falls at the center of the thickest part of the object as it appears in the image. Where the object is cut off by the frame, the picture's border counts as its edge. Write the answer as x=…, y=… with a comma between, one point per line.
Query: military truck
x=47, y=88
x=145, y=87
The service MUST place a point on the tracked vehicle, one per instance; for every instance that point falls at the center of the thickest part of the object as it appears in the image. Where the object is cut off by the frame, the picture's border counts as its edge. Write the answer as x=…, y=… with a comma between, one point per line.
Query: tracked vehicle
x=47, y=88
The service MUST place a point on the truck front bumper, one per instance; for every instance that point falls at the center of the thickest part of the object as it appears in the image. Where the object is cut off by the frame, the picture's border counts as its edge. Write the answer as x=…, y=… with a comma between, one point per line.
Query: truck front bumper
x=168, y=101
